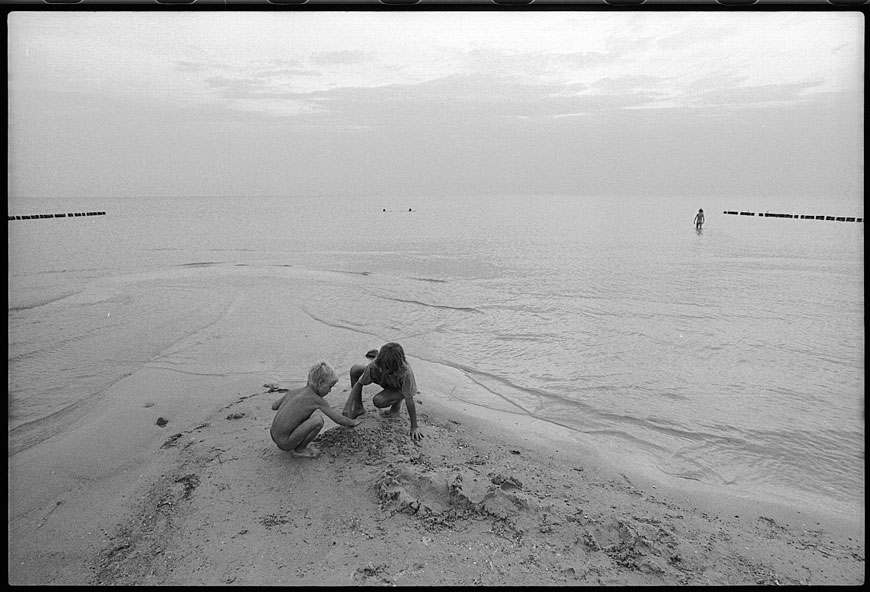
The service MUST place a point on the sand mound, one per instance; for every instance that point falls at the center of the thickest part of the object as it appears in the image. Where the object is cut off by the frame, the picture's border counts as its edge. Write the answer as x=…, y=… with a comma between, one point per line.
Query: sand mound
x=450, y=491
x=370, y=444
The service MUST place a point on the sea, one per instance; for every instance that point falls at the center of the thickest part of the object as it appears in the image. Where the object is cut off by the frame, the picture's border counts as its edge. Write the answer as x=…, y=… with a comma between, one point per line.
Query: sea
x=732, y=355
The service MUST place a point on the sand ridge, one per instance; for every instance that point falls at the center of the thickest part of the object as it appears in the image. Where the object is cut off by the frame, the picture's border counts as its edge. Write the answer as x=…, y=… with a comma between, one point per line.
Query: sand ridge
x=467, y=506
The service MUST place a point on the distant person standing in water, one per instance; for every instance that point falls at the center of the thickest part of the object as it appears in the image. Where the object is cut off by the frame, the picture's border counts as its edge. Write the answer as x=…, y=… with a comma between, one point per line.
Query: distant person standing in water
x=699, y=219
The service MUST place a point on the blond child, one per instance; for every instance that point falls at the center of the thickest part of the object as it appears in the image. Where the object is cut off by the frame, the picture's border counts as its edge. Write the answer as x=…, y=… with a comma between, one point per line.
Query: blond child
x=390, y=370
x=295, y=424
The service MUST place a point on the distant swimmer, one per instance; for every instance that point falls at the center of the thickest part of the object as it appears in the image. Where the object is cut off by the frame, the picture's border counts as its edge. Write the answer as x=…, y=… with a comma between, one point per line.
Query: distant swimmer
x=699, y=219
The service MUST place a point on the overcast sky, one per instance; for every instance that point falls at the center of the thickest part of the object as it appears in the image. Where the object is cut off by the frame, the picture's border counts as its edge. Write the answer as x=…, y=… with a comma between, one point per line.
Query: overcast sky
x=434, y=103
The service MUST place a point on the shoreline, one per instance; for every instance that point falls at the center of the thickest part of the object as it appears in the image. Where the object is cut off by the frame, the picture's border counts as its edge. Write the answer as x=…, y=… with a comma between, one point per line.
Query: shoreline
x=568, y=443
x=488, y=497
x=215, y=502
x=556, y=439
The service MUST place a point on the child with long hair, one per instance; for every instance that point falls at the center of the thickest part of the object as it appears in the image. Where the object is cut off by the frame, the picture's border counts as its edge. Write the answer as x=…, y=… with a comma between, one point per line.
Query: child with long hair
x=391, y=371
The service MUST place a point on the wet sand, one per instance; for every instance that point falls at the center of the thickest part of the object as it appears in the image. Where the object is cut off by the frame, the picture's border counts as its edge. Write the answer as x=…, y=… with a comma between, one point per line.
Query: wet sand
x=488, y=497
x=485, y=499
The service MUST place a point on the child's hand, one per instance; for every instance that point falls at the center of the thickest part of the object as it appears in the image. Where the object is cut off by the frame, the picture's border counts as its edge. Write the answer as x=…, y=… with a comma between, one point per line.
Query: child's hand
x=416, y=434
x=356, y=422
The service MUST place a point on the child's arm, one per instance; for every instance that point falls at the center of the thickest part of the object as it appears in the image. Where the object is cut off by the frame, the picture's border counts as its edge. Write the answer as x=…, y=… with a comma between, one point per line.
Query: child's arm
x=354, y=403
x=409, y=389
x=277, y=403
x=336, y=416
x=412, y=415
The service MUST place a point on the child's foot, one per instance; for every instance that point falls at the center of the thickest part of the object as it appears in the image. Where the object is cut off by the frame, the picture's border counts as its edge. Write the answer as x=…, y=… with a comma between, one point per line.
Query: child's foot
x=393, y=410
x=307, y=452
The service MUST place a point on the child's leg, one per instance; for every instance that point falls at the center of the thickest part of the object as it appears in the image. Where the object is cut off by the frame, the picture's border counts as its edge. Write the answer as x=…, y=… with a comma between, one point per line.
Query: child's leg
x=355, y=372
x=304, y=433
x=389, y=398
x=354, y=405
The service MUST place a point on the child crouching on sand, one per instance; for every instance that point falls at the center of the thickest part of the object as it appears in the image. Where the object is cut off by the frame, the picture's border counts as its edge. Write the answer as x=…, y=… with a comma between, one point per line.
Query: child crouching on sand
x=295, y=425
x=391, y=371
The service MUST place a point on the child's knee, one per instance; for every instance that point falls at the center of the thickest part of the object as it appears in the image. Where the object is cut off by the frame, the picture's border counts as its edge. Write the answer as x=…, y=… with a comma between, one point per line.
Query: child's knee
x=312, y=424
x=387, y=399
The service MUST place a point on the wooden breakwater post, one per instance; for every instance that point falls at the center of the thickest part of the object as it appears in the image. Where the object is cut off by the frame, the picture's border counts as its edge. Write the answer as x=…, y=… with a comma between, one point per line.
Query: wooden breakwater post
x=61, y=215
x=795, y=216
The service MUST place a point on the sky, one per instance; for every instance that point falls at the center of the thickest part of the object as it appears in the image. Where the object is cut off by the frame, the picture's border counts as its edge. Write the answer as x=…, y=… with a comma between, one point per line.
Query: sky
x=436, y=103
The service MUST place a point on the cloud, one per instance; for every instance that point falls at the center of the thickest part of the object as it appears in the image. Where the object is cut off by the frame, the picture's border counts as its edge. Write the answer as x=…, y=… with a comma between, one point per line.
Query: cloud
x=343, y=57
x=454, y=101
x=581, y=59
x=759, y=95
x=486, y=98
x=187, y=66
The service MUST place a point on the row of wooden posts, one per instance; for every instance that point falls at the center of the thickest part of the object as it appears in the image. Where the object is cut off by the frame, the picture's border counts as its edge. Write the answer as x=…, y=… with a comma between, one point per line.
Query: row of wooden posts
x=67, y=215
x=731, y=212
x=795, y=216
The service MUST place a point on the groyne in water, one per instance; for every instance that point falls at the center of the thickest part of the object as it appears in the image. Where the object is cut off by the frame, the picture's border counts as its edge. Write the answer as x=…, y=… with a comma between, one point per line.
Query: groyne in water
x=62, y=215
x=796, y=216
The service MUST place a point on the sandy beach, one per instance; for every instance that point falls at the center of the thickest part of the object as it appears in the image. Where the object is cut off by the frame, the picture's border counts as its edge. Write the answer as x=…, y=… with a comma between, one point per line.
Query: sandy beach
x=494, y=499
x=201, y=206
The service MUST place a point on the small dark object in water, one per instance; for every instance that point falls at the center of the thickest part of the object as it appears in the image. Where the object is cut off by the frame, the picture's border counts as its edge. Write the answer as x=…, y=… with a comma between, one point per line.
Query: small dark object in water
x=162, y=422
x=237, y=415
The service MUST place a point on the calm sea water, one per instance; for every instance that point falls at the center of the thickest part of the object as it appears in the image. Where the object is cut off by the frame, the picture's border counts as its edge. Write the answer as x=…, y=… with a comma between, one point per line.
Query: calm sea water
x=732, y=356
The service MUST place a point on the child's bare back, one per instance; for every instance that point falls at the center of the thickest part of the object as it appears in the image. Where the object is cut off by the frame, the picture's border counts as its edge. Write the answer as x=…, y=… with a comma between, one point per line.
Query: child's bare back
x=294, y=409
